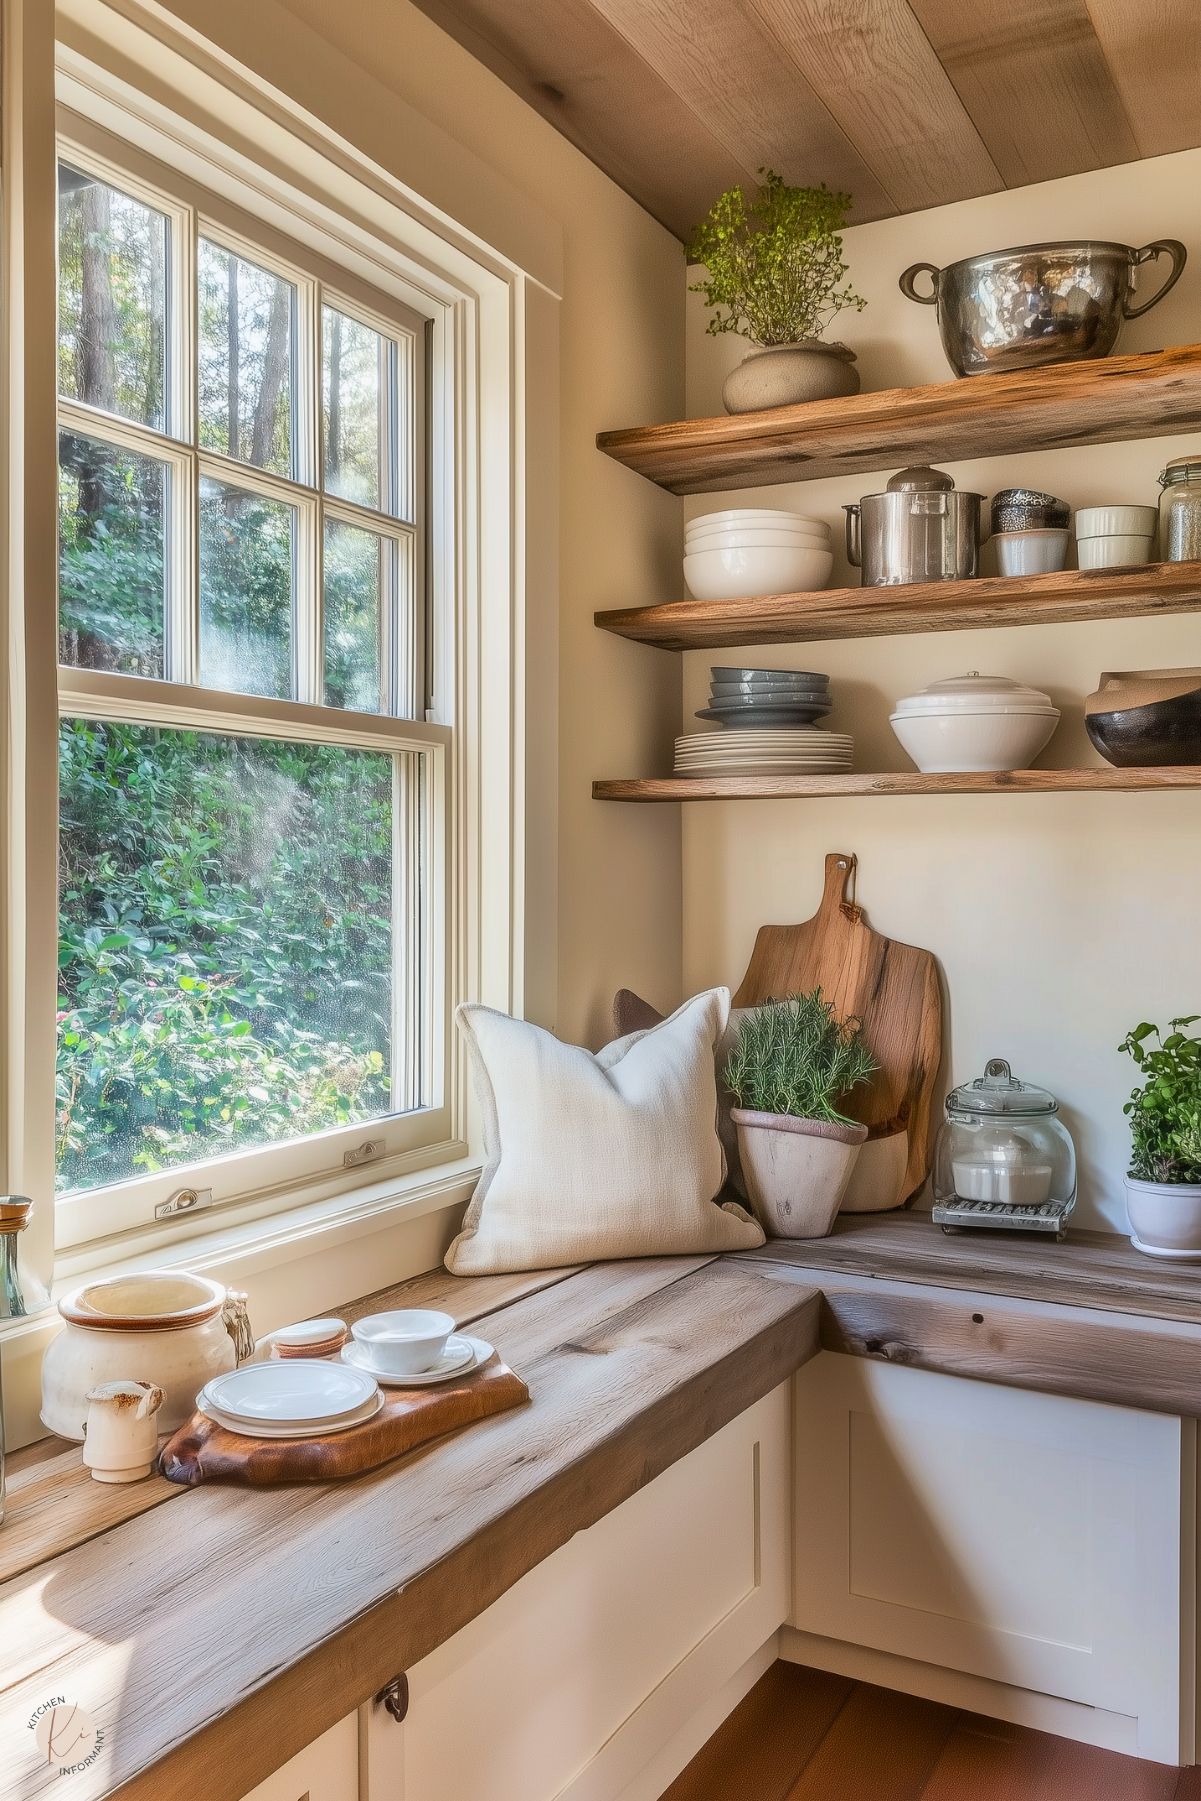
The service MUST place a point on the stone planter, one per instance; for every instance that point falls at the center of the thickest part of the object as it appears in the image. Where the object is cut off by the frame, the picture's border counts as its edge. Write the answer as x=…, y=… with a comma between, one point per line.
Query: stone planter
x=789, y=374
x=795, y=1170
x=1165, y=1218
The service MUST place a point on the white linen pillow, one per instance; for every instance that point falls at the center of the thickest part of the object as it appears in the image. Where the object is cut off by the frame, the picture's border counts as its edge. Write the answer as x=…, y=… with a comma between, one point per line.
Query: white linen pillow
x=592, y=1157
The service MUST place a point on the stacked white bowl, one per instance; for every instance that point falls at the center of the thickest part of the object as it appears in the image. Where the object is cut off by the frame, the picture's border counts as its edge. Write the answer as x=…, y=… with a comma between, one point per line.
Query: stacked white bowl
x=744, y=552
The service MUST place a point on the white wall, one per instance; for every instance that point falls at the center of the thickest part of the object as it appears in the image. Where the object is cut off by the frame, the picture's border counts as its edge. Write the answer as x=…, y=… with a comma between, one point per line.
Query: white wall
x=1059, y=920
x=621, y=360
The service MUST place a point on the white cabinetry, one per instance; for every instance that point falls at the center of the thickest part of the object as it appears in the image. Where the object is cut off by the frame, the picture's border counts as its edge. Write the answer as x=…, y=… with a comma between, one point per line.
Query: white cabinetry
x=326, y=1770
x=596, y=1662
x=1036, y=1543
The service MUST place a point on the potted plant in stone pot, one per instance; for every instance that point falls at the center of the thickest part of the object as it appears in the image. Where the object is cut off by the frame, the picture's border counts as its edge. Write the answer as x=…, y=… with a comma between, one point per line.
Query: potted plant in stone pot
x=1163, y=1187
x=774, y=274
x=793, y=1063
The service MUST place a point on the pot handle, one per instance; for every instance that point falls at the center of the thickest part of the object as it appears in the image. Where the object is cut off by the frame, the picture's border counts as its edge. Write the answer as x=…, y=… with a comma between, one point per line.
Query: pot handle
x=915, y=269
x=1151, y=253
x=236, y=1320
x=853, y=526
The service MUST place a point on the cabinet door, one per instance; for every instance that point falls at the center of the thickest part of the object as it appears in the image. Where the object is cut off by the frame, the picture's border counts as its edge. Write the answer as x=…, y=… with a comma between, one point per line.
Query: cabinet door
x=571, y=1682
x=1026, y=1538
x=326, y=1770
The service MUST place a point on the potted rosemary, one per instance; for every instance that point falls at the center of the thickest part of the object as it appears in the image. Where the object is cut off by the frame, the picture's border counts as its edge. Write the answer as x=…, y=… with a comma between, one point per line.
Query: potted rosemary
x=774, y=274
x=1163, y=1187
x=792, y=1065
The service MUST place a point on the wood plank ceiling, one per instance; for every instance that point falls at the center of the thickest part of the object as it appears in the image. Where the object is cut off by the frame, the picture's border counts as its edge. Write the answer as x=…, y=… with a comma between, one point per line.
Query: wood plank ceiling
x=904, y=103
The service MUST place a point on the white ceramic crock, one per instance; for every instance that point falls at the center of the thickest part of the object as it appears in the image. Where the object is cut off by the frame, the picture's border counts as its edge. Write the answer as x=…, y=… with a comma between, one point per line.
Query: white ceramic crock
x=166, y=1327
x=1165, y=1218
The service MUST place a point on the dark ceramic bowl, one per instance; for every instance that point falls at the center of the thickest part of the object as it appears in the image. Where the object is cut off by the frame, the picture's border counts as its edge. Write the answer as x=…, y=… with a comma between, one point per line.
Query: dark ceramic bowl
x=1166, y=732
x=1027, y=509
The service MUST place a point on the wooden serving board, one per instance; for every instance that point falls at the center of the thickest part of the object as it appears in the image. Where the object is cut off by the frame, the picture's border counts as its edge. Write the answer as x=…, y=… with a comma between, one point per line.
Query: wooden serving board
x=203, y=1451
x=891, y=987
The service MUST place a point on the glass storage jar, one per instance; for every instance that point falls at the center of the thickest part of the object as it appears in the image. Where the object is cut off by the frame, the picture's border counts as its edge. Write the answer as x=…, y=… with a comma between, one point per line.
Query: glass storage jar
x=1002, y=1142
x=1180, y=511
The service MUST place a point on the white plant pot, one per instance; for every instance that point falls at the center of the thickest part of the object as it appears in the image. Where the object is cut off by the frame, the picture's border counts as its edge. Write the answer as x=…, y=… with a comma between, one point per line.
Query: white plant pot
x=789, y=374
x=1165, y=1218
x=878, y=1175
x=795, y=1171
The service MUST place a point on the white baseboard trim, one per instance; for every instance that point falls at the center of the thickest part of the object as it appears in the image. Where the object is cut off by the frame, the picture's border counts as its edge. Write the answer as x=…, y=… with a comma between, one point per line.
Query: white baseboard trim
x=979, y=1694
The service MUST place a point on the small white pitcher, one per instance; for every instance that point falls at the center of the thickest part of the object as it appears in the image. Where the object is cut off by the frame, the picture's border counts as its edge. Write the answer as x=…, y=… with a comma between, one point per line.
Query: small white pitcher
x=121, y=1438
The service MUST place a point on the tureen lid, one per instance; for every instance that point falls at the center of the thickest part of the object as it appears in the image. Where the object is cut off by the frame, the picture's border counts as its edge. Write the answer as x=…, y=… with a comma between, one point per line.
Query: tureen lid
x=976, y=693
x=998, y=1091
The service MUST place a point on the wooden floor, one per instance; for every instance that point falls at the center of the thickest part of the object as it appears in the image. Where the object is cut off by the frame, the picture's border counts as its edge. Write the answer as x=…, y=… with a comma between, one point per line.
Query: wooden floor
x=802, y=1735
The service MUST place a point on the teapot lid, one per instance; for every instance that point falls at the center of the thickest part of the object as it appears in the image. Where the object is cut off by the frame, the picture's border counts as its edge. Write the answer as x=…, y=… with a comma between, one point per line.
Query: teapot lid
x=998, y=1091
x=920, y=479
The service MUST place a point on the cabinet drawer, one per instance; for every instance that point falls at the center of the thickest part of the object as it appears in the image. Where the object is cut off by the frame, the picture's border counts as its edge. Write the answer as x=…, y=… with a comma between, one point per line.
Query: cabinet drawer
x=517, y=1705
x=326, y=1770
x=1025, y=1538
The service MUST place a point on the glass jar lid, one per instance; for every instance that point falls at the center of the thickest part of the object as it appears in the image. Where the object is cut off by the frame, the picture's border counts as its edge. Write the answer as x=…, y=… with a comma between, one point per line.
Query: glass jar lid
x=1182, y=469
x=998, y=1091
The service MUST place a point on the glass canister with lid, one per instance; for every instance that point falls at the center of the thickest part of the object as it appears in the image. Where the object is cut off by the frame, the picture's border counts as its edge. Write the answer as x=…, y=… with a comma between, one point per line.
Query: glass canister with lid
x=1003, y=1144
x=1180, y=510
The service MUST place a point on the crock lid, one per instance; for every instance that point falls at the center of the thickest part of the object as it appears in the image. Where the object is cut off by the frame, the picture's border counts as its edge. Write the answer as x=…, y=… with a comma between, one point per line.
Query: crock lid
x=154, y=1300
x=998, y=1091
x=975, y=693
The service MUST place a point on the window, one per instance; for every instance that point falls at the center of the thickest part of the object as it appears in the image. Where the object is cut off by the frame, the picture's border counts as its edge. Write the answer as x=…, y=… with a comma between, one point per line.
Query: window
x=250, y=798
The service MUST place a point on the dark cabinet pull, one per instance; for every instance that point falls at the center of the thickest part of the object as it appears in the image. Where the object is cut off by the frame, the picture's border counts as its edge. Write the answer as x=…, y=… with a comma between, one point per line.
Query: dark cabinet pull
x=395, y=1697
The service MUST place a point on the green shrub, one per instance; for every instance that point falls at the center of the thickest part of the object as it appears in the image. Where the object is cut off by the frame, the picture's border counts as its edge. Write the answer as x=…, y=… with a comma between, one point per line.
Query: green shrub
x=797, y=1058
x=1165, y=1112
x=775, y=262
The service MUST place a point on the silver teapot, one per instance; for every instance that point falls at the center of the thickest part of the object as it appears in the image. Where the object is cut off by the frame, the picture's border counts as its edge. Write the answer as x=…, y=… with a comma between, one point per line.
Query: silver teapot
x=921, y=529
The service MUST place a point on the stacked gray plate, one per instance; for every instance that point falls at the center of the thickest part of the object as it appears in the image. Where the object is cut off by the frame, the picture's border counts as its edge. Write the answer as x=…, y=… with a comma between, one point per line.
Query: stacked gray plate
x=766, y=697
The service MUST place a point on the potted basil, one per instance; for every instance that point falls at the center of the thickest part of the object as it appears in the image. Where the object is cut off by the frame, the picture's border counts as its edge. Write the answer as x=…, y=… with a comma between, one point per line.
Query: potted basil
x=793, y=1064
x=1163, y=1187
x=774, y=274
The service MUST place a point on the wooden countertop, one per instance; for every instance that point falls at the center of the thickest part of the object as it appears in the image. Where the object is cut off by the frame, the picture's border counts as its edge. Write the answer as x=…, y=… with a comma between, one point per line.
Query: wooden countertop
x=1089, y=1269
x=213, y=1640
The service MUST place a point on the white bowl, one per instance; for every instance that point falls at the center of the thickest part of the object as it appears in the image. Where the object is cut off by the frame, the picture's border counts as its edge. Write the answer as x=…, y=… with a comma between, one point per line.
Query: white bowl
x=1036, y=552
x=1117, y=551
x=965, y=743
x=734, y=574
x=748, y=540
x=1108, y=522
x=753, y=516
x=405, y=1342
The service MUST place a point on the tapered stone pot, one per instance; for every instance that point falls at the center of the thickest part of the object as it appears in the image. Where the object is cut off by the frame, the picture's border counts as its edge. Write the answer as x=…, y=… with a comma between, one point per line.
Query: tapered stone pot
x=795, y=1170
x=789, y=374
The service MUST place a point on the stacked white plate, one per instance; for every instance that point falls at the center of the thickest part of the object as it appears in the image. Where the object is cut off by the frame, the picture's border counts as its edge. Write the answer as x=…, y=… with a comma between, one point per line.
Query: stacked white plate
x=787, y=750
x=743, y=552
x=290, y=1397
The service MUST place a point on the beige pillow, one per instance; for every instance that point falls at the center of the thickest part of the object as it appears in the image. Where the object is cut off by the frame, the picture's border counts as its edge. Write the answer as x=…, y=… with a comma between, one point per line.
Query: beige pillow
x=591, y=1157
x=631, y=1013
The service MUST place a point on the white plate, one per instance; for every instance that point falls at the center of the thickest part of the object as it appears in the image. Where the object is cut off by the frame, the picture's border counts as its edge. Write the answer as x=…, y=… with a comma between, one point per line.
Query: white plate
x=319, y=1429
x=469, y=1353
x=290, y=1391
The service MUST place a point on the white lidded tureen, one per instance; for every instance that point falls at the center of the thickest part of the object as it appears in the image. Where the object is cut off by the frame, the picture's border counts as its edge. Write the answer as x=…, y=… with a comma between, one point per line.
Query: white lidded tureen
x=974, y=723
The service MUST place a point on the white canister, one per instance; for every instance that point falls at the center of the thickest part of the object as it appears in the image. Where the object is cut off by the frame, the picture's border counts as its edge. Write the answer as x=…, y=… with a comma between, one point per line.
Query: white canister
x=121, y=1442
x=1117, y=537
x=166, y=1327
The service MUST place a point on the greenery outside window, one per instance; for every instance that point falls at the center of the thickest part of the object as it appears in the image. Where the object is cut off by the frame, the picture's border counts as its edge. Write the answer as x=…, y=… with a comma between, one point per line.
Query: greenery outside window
x=251, y=804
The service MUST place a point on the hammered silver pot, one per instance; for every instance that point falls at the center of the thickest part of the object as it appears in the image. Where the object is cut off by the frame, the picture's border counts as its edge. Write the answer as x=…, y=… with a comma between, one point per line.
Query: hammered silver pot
x=1039, y=303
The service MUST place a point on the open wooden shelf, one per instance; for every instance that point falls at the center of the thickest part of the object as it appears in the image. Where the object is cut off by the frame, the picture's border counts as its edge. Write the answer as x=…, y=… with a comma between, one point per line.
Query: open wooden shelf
x=1099, y=402
x=1071, y=594
x=817, y=787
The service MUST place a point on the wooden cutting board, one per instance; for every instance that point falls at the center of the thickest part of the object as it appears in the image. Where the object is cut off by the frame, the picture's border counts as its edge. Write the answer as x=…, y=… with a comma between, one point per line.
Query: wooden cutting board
x=892, y=988
x=203, y=1451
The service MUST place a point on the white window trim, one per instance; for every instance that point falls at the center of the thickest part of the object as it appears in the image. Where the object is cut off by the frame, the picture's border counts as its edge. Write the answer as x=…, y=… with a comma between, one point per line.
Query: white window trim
x=498, y=947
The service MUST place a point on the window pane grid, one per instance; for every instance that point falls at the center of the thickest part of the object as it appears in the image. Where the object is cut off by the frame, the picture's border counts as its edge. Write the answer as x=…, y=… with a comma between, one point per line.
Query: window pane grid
x=197, y=434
